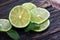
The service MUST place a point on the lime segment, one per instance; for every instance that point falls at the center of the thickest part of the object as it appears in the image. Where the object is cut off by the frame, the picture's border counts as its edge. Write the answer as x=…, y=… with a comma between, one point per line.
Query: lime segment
x=19, y=17
x=39, y=15
x=5, y=25
x=42, y=26
x=29, y=6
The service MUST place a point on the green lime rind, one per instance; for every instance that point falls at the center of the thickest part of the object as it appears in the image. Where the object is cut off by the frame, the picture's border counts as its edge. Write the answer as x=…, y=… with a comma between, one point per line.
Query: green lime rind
x=16, y=19
x=29, y=6
x=42, y=26
x=39, y=15
x=5, y=25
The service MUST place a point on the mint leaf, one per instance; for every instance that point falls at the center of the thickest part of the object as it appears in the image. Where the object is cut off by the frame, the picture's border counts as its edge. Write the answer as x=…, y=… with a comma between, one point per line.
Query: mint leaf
x=31, y=26
x=13, y=34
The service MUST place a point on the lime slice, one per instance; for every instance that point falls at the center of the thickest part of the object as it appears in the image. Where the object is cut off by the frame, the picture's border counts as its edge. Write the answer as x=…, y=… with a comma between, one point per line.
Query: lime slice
x=29, y=6
x=39, y=15
x=5, y=25
x=19, y=17
x=43, y=26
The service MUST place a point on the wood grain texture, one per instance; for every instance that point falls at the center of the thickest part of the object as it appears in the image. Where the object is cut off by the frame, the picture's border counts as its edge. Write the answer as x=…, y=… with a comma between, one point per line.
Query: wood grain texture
x=52, y=33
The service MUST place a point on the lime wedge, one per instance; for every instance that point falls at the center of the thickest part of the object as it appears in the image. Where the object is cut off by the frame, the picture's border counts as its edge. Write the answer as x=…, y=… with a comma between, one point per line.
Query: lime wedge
x=19, y=17
x=39, y=15
x=42, y=26
x=29, y=6
x=5, y=25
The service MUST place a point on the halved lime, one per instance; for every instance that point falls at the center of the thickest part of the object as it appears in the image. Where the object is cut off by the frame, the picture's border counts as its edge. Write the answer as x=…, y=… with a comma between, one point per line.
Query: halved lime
x=19, y=17
x=5, y=25
x=39, y=15
x=29, y=5
x=42, y=26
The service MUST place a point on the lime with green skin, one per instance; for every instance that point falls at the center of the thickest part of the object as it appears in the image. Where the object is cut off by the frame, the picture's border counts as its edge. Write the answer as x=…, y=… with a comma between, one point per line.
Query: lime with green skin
x=5, y=25
x=39, y=15
x=19, y=17
x=42, y=26
x=29, y=6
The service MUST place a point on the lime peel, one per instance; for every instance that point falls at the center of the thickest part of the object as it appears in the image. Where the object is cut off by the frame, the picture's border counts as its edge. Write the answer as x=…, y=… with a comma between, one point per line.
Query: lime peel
x=45, y=25
x=38, y=16
x=29, y=6
x=5, y=25
x=22, y=15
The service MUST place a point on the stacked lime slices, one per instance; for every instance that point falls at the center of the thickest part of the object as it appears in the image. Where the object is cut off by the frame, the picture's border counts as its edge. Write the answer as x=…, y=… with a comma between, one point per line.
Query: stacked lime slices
x=22, y=15
x=42, y=26
x=39, y=15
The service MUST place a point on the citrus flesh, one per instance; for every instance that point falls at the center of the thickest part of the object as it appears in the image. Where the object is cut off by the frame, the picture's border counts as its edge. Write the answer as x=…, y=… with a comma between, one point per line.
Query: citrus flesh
x=39, y=15
x=19, y=17
x=29, y=6
x=5, y=25
x=42, y=26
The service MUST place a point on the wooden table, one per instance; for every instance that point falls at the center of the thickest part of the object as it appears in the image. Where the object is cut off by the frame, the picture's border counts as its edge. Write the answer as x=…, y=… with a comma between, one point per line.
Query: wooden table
x=52, y=33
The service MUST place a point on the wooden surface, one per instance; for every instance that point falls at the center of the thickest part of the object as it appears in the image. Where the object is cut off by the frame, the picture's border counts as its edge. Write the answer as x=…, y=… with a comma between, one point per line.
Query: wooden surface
x=52, y=33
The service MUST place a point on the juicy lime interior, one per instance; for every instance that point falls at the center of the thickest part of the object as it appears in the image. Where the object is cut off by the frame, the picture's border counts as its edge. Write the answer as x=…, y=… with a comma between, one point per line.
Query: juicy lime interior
x=5, y=25
x=42, y=26
x=39, y=15
x=29, y=6
x=19, y=17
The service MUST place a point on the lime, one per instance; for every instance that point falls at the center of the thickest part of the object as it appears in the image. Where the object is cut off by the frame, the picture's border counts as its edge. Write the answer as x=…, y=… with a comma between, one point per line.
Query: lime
x=19, y=17
x=29, y=6
x=39, y=15
x=5, y=25
x=42, y=26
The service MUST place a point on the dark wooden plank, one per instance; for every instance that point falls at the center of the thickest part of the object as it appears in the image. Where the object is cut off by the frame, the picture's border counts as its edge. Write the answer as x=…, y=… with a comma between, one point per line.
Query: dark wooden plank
x=52, y=33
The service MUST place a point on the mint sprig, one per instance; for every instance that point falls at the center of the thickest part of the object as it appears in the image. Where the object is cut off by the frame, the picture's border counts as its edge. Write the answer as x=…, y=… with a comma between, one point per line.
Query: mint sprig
x=32, y=26
x=13, y=34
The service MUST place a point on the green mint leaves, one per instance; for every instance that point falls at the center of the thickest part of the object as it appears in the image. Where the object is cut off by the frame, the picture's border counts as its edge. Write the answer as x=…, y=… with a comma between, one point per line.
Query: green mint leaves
x=31, y=26
x=13, y=34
